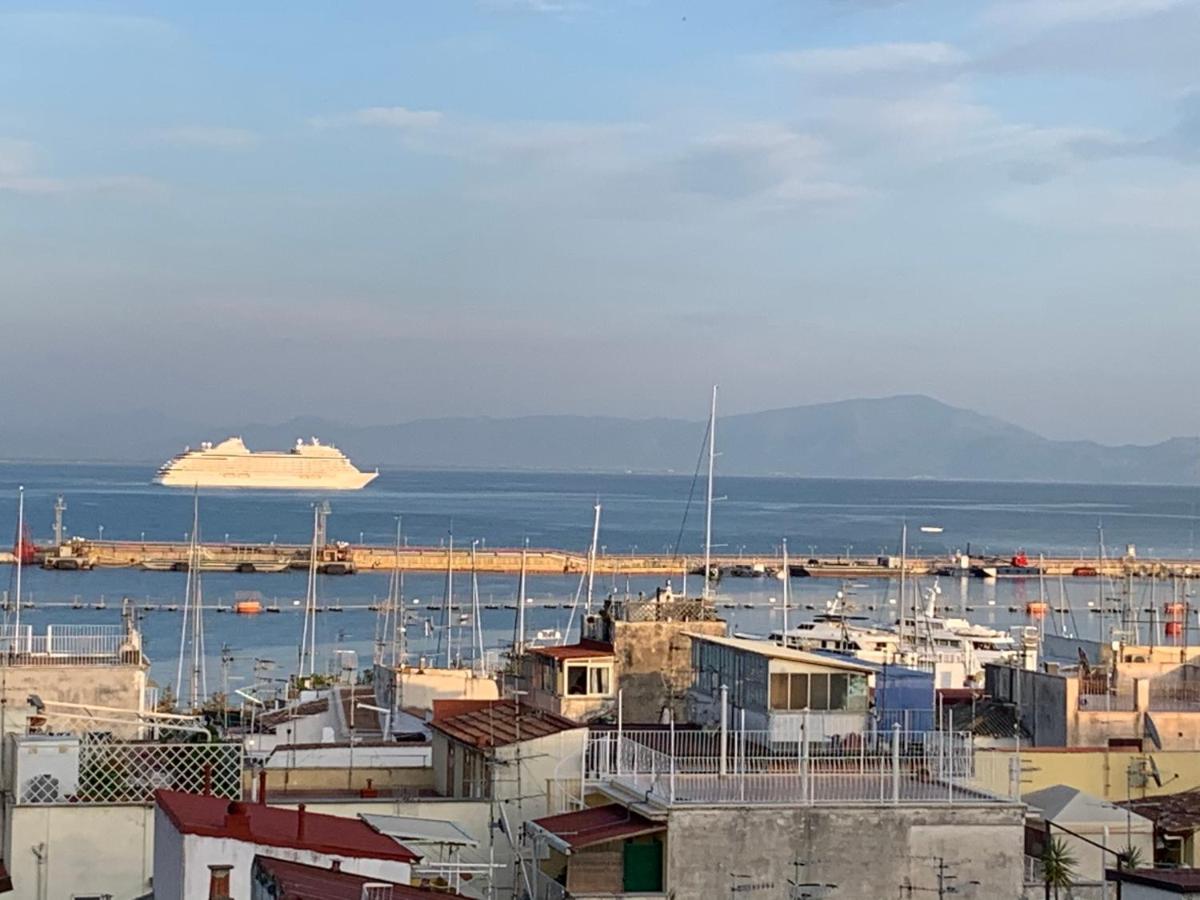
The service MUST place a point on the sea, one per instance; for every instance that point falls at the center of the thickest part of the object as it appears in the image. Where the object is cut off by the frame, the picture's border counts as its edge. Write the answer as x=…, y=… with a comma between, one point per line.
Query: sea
x=640, y=514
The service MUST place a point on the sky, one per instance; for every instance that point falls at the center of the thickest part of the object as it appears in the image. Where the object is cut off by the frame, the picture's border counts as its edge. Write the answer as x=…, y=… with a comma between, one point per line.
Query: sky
x=231, y=212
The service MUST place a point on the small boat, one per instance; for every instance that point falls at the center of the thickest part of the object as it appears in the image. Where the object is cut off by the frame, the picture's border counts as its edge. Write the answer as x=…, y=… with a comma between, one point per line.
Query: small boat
x=548, y=634
x=1037, y=607
x=1084, y=571
x=1174, y=608
x=1174, y=629
x=274, y=607
x=100, y=604
x=248, y=607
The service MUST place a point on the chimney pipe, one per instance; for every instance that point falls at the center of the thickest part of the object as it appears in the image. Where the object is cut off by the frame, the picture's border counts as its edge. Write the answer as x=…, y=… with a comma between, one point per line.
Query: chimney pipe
x=218, y=881
x=262, y=786
x=300, y=822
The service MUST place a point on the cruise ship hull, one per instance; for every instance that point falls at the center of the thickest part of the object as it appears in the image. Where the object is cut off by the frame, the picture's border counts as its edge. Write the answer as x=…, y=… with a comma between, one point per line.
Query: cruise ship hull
x=351, y=481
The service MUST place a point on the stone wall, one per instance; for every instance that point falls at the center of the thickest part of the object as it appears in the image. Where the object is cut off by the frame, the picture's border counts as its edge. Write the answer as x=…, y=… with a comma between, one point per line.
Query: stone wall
x=654, y=666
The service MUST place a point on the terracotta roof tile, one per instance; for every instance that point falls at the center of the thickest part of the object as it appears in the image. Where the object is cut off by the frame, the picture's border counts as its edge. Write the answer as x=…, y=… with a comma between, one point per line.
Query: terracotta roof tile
x=495, y=723
x=297, y=881
x=257, y=823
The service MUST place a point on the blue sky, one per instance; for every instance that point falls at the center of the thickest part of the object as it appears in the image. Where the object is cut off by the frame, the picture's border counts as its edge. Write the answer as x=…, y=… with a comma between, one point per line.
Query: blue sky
x=231, y=212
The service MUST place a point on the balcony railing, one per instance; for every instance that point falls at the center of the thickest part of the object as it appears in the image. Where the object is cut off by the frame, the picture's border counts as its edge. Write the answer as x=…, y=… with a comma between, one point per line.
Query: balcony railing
x=69, y=645
x=747, y=767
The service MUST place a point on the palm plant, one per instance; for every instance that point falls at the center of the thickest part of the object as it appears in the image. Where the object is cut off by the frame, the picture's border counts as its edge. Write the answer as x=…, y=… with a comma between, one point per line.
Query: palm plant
x=1058, y=866
x=1130, y=858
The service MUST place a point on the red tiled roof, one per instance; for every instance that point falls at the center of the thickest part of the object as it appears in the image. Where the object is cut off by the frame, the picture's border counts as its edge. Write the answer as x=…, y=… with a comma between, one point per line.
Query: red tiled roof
x=495, y=723
x=585, y=649
x=296, y=881
x=272, y=826
x=598, y=825
x=1173, y=881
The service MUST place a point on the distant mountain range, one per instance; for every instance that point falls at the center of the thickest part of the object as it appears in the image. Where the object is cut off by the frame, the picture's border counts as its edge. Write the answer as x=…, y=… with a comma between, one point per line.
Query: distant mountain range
x=907, y=436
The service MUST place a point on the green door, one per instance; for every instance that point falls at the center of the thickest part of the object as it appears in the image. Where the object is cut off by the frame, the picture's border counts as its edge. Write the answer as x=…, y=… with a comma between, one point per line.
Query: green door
x=643, y=866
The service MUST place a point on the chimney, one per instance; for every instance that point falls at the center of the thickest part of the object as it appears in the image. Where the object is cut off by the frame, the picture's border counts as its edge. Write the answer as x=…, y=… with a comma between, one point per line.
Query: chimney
x=300, y=822
x=262, y=786
x=218, y=881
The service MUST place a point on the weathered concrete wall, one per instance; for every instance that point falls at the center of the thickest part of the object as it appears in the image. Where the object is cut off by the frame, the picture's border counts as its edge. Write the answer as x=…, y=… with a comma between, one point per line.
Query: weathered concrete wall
x=119, y=686
x=867, y=852
x=654, y=666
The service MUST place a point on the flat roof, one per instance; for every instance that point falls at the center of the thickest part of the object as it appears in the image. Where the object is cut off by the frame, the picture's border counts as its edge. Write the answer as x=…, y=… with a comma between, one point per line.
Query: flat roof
x=585, y=649
x=775, y=651
x=1172, y=881
x=273, y=826
x=416, y=830
x=596, y=825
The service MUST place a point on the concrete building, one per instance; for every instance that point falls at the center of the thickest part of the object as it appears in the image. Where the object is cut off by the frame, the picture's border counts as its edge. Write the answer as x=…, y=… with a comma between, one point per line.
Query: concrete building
x=1093, y=829
x=651, y=640
x=874, y=815
x=779, y=690
x=193, y=832
x=1130, y=707
x=416, y=687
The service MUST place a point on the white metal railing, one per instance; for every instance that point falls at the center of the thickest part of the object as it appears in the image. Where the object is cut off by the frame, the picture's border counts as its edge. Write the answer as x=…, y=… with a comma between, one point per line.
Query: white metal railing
x=684, y=767
x=93, y=645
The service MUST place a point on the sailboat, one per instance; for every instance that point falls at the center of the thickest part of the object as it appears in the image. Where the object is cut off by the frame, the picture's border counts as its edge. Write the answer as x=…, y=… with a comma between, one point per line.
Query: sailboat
x=191, y=632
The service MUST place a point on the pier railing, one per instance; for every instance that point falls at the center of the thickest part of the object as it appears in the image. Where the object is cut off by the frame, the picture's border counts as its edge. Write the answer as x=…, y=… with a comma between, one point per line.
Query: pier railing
x=59, y=645
x=712, y=768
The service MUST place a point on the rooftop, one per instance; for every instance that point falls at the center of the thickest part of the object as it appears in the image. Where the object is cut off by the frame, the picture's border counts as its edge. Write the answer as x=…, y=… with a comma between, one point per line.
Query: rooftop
x=775, y=651
x=279, y=716
x=585, y=649
x=496, y=723
x=597, y=825
x=1172, y=881
x=272, y=826
x=1177, y=813
x=296, y=881
x=1066, y=805
x=419, y=830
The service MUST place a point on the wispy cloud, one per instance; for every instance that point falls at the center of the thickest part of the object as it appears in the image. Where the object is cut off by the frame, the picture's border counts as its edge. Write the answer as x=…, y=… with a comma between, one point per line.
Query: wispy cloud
x=1181, y=142
x=19, y=175
x=209, y=136
x=85, y=28
x=534, y=6
x=1053, y=13
x=400, y=117
x=863, y=59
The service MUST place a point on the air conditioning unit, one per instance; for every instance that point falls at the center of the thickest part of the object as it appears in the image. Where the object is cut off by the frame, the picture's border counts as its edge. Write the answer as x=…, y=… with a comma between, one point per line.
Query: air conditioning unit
x=46, y=768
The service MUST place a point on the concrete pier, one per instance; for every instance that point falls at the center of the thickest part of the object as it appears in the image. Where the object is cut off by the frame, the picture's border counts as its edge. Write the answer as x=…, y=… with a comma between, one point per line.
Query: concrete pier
x=344, y=558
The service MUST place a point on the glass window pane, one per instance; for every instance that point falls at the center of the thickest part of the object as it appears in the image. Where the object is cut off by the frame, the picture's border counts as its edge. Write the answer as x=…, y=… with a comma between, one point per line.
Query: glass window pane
x=779, y=691
x=819, y=694
x=799, y=691
x=837, y=691
x=856, y=698
x=599, y=680
x=576, y=679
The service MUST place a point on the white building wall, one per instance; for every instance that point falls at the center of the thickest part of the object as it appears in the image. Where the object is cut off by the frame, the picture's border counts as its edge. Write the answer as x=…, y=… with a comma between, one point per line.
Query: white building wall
x=168, y=854
x=83, y=849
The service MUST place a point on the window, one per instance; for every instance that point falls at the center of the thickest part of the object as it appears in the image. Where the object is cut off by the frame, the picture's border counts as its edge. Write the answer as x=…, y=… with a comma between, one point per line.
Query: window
x=838, y=686
x=799, y=691
x=589, y=679
x=577, y=678
x=779, y=691
x=819, y=696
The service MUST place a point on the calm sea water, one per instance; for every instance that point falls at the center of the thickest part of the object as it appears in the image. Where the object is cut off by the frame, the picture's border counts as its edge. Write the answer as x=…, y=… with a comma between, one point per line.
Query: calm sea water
x=641, y=513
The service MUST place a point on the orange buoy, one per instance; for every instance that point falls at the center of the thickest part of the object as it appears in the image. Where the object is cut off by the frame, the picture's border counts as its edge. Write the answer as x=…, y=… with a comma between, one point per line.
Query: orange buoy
x=247, y=607
x=1174, y=629
x=1037, y=607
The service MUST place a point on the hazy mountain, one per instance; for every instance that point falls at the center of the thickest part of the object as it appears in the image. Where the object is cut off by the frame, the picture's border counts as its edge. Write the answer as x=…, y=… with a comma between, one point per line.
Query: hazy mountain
x=893, y=437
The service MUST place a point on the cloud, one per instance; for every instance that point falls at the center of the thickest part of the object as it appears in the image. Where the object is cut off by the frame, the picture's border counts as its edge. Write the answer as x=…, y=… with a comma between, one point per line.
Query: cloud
x=1132, y=203
x=864, y=59
x=552, y=7
x=1181, y=142
x=1039, y=14
x=19, y=175
x=209, y=136
x=400, y=117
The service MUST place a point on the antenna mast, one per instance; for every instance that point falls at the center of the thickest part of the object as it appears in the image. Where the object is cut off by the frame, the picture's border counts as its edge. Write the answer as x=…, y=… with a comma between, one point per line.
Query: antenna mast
x=20, y=557
x=712, y=437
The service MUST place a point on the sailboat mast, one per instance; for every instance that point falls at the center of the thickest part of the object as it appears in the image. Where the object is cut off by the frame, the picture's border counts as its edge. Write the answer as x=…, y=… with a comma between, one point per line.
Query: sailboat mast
x=476, y=621
x=394, y=618
x=591, y=578
x=519, y=636
x=708, y=510
x=787, y=577
x=308, y=637
x=187, y=596
x=446, y=617
x=903, y=572
x=20, y=558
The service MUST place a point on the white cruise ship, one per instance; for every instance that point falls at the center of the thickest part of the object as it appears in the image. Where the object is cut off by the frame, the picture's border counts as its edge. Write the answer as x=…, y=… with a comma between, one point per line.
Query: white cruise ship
x=230, y=464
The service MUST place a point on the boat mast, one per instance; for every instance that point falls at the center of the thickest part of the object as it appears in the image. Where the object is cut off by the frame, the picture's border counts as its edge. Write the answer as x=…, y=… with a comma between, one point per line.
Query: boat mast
x=20, y=560
x=192, y=624
x=903, y=568
x=787, y=577
x=308, y=637
x=519, y=634
x=708, y=511
x=476, y=622
x=591, y=577
x=446, y=619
